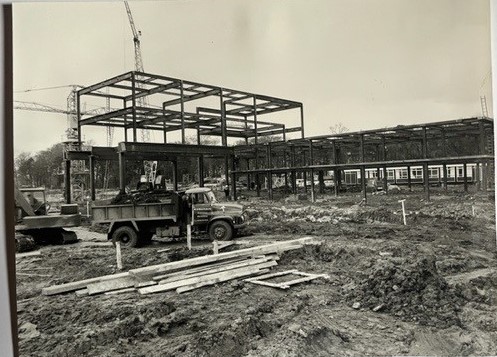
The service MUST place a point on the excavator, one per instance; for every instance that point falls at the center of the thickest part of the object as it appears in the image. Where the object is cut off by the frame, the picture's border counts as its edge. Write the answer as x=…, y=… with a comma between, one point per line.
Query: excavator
x=36, y=225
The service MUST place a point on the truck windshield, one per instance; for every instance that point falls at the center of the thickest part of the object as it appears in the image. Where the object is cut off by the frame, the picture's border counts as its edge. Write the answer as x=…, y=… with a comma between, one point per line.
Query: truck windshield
x=211, y=197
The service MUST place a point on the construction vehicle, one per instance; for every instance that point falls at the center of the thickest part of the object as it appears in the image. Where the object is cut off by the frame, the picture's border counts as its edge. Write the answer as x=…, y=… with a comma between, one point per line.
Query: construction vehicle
x=133, y=224
x=36, y=225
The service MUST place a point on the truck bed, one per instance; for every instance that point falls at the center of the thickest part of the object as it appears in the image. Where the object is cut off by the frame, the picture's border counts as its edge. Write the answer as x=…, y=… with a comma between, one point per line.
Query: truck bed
x=137, y=212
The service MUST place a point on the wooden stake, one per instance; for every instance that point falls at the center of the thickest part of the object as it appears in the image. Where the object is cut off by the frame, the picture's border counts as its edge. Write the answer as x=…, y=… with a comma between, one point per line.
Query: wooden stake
x=403, y=211
x=118, y=256
x=189, y=236
x=215, y=247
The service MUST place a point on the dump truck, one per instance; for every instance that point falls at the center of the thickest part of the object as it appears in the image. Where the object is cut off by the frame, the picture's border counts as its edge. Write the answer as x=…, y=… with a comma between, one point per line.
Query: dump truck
x=134, y=224
x=35, y=224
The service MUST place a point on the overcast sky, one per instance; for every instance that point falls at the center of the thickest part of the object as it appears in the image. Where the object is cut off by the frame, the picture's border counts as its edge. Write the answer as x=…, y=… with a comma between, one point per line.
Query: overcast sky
x=366, y=64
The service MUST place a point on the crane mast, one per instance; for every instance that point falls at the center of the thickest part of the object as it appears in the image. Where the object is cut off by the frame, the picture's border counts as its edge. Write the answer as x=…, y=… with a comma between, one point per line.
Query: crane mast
x=149, y=166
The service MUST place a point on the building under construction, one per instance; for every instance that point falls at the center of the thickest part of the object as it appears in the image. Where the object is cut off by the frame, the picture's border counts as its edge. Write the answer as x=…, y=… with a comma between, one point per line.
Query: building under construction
x=242, y=122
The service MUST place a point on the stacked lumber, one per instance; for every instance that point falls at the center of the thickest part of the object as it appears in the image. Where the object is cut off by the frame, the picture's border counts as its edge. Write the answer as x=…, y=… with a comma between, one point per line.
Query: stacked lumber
x=185, y=275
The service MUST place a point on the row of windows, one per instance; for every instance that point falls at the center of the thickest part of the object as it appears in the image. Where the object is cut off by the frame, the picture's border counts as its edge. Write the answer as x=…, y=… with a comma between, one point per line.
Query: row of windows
x=416, y=173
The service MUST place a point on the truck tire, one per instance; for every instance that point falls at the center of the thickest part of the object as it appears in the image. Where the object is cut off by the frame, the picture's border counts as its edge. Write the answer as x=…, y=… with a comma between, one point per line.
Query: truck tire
x=126, y=235
x=220, y=230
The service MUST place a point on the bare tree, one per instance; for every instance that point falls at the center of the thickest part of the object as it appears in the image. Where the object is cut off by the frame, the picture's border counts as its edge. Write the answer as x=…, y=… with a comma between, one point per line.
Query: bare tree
x=338, y=128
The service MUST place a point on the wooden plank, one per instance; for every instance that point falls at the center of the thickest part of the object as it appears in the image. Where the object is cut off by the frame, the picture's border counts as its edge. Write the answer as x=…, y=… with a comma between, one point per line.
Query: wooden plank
x=199, y=269
x=77, y=285
x=227, y=275
x=82, y=292
x=302, y=280
x=109, y=285
x=218, y=280
x=247, y=262
x=222, y=245
x=28, y=254
x=145, y=283
x=272, y=275
x=33, y=274
x=120, y=291
x=265, y=249
x=265, y=283
x=163, y=250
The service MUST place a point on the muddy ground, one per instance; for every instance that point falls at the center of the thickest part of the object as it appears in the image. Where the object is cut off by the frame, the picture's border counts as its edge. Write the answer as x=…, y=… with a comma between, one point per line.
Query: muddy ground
x=427, y=288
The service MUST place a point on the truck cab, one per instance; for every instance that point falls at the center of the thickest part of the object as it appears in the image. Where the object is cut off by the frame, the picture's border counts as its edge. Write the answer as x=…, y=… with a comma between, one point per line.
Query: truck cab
x=220, y=219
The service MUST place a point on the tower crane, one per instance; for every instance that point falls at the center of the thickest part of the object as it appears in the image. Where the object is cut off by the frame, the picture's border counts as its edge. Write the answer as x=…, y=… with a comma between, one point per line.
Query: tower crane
x=150, y=167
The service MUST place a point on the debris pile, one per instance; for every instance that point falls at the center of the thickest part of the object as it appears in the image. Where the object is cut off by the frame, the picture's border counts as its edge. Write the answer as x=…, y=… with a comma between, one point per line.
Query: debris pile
x=413, y=292
x=142, y=197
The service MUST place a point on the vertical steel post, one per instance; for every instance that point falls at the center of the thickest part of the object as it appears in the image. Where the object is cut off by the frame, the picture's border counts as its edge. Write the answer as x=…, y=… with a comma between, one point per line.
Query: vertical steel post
x=426, y=181
x=92, y=177
x=257, y=181
x=182, y=108
x=385, y=175
x=485, y=175
x=125, y=117
x=294, y=172
x=133, y=103
x=255, y=120
x=477, y=176
x=122, y=173
x=385, y=179
x=409, y=180
x=363, y=183
x=78, y=114
x=465, y=173
x=445, y=177
x=336, y=174
x=311, y=163
x=233, y=178
x=175, y=174
x=67, y=181
x=302, y=120
x=304, y=173
x=269, y=173
x=425, y=144
x=201, y=170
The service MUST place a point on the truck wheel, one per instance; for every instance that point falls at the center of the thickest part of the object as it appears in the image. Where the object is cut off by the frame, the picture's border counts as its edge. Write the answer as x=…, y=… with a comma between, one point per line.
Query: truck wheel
x=126, y=235
x=221, y=230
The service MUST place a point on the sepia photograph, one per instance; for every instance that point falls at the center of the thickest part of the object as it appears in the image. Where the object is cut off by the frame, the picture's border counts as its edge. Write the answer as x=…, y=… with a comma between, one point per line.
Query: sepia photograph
x=253, y=178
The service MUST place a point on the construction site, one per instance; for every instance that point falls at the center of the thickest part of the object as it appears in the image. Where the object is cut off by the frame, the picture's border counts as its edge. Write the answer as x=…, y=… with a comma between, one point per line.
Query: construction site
x=255, y=238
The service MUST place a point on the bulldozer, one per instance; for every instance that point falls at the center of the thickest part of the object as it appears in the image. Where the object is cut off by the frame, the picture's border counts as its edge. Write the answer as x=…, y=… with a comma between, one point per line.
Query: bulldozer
x=35, y=224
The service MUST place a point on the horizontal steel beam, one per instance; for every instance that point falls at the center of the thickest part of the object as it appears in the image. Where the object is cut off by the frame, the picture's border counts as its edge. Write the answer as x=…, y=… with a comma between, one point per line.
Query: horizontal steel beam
x=191, y=97
x=105, y=83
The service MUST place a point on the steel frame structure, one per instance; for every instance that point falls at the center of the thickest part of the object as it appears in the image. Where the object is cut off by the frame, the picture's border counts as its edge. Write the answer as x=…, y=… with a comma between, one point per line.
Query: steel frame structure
x=371, y=149
x=236, y=115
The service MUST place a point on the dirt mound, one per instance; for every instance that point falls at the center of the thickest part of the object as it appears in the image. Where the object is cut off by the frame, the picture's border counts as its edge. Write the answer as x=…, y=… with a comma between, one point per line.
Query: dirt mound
x=413, y=292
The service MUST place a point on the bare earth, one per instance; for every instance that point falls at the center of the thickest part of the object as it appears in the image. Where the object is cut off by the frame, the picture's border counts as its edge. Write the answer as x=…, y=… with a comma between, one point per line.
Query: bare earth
x=428, y=288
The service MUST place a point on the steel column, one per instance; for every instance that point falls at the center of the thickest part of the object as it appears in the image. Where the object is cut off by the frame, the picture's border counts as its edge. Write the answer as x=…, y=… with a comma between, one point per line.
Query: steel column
x=67, y=181
x=122, y=173
x=302, y=120
x=201, y=170
x=409, y=181
x=425, y=144
x=133, y=103
x=477, y=176
x=182, y=108
x=445, y=178
x=175, y=174
x=426, y=181
x=92, y=177
x=465, y=173
x=363, y=183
